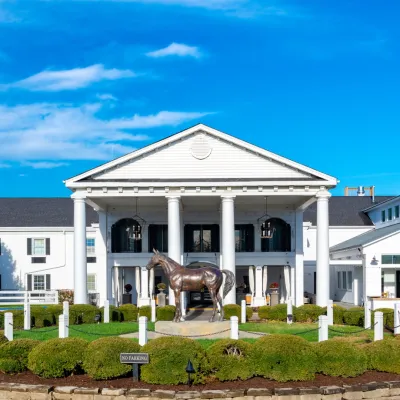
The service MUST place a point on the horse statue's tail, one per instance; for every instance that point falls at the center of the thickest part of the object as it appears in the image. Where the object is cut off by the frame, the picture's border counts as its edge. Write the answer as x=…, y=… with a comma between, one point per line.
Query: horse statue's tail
x=229, y=281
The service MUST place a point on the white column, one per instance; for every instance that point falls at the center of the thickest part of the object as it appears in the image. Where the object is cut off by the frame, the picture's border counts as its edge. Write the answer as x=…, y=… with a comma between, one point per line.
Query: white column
x=286, y=275
x=228, y=242
x=356, y=295
x=174, y=235
x=396, y=318
x=137, y=285
x=116, y=287
x=259, y=299
x=103, y=276
x=265, y=280
x=251, y=282
x=151, y=283
x=299, y=260
x=80, y=266
x=153, y=311
x=144, y=277
x=323, y=287
x=292, y=283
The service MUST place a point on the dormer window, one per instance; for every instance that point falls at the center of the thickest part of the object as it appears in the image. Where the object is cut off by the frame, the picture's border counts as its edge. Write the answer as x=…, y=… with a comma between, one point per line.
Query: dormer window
x=397, y=212
x=383, y=214
x=390, y=214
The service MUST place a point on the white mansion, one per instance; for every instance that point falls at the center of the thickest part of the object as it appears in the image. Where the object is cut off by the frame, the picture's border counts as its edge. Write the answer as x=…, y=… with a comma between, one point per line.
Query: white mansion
x=203, y=196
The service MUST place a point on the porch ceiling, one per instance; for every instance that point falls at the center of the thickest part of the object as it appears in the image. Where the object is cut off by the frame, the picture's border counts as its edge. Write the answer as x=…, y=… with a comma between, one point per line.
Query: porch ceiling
x=203, y=202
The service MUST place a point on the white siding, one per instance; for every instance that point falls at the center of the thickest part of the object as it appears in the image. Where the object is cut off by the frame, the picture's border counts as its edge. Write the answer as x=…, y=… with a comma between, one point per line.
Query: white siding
x=225, y=161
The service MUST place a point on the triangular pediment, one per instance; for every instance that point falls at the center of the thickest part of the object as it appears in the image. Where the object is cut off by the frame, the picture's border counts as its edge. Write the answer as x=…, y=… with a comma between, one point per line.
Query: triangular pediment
x=202, y=154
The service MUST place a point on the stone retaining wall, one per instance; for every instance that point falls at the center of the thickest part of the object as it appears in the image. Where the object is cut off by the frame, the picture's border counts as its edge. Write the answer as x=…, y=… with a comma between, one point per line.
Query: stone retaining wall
x=374, y=390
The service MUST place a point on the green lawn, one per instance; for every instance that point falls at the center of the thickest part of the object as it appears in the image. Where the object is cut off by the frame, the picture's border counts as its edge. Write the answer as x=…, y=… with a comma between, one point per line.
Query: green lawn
x=89, y=332
x=302, y=330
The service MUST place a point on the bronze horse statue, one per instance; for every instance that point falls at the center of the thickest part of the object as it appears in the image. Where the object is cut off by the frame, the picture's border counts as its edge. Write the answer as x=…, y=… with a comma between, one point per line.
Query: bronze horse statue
x=182, y=279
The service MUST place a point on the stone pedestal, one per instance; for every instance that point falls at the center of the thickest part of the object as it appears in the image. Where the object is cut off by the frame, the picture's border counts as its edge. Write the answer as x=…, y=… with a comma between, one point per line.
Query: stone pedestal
x=161, y=299
x=127, y=298
x=274, y=298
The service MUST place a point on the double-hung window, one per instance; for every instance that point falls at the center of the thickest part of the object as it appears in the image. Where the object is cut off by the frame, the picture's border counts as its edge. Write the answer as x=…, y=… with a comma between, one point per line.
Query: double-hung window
x=91, y=282
x=39, y=282
x=90, y=246
x=38, y=247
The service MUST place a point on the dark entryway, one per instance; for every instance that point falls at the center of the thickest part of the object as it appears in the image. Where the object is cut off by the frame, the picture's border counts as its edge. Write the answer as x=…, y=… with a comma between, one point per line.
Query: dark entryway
x=398, y=284
x=200, y=299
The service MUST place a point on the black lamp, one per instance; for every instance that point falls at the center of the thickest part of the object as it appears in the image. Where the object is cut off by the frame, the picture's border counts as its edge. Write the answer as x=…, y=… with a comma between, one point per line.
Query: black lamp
x=190, y=370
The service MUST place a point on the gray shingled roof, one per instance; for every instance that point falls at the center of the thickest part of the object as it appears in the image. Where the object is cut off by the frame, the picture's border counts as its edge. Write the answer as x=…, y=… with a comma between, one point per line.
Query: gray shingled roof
x=59, y=212
x=366, y=238
x=345, y=210
x=37, y=212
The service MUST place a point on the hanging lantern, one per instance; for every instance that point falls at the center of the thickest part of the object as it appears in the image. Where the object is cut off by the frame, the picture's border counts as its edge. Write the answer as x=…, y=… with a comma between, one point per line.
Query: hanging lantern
x=266, y=226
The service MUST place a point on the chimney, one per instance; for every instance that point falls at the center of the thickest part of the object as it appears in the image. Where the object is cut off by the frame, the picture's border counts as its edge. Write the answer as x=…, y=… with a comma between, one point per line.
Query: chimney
x=360, y=191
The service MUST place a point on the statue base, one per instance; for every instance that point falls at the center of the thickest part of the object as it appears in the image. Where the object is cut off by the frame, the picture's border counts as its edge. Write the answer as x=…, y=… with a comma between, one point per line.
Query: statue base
x=191, y=328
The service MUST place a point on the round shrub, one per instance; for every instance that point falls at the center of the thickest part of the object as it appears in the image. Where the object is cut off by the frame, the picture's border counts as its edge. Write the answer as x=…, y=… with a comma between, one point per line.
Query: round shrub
x=14, y=355
x=284, y=358
x=230, y=359
x=168, y=359
x=101, y=358
x=339, y=358
x=57, y=358
x=338, y=314
x=42, y=316
x=145, y=311
x=274, y=313
x=308, y=313
x=166, y=313
x=82, y=314
x=384, y=356
x=115, y=315
x=354, y=316
x=128, y=312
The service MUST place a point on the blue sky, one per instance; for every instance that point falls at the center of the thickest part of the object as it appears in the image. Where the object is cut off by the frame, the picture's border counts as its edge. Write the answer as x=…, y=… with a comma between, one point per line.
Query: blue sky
x=85, y=81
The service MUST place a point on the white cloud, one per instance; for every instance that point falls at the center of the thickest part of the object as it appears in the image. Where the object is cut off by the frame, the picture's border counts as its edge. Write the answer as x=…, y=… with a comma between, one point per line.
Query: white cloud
x=72, y=79
x=3, y=165
x=176, y=49
x=45, y=164
x=106, y=96
x=52, y=132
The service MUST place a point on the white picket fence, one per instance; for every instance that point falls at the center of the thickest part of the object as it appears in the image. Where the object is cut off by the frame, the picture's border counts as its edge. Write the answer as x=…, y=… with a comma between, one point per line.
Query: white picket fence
x=18, y=297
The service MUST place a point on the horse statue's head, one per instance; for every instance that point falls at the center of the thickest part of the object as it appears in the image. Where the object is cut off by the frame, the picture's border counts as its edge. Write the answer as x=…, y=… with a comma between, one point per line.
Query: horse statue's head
x=157, y=259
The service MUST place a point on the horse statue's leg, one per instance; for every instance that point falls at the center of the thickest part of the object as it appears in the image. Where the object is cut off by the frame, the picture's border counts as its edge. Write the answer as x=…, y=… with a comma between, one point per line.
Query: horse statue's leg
x=219, y=298
x=214, y=300
x=178, y=310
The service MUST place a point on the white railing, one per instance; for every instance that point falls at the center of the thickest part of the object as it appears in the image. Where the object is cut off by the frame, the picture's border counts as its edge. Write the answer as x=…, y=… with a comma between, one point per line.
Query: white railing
x=17, y=297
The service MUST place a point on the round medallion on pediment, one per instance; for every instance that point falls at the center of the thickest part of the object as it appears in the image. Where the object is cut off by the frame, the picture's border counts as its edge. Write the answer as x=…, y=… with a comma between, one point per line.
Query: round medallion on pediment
x=201, y=147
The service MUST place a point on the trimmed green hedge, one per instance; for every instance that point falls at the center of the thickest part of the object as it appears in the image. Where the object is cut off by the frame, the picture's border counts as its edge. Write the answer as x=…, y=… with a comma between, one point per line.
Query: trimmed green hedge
x=115, y=315
x=274, y=313
x=82, y=314
x=145, y=311
x=3, y=339
x=234, y=310
x=354, y=316
x=14, y=355
x=101, y=358
x=57, y=358
x=338, y=314
x=166, y=313
x=168, y=359
x=284, y=358
x=128, y=312
x=308, y=313
x=230, y=359
x=339, y=358
x=384, y=355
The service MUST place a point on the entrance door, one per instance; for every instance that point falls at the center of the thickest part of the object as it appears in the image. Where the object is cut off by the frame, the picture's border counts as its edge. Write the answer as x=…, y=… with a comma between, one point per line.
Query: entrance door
x=200, y=298
x=398, y=284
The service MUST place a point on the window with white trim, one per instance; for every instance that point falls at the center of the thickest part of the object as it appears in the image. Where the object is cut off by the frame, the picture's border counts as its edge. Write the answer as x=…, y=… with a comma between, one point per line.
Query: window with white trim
x=390, y=258
x=39, y=282
x=350, y=280
x=339, y=279
x=91, y=282
x=38, y=247
x=90, y=246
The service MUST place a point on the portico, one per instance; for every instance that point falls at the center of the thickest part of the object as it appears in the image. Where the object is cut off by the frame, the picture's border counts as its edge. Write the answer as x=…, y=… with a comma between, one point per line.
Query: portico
x=214, y=217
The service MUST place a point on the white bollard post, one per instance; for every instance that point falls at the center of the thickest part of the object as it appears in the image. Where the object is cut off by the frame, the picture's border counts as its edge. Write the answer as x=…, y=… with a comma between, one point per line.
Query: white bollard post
x=323, y=328
x=153, y=310
x=66, y=308
x=142, y=331
x=106, y=316
x=396, y=318
x=243, y=311
x=8, y=326
x=63, y=321
x=27, y=313
x=367, y=315
x=289, y=312
x=378, y=328
x=235, y=328
x=329, y=312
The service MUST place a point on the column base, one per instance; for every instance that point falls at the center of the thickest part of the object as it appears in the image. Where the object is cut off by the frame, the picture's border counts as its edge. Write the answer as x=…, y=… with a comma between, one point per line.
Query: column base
x=259, y=301
x=145, y=301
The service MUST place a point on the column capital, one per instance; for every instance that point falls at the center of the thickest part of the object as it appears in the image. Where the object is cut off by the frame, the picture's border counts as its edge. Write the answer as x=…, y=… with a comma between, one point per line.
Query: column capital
x=173, y=197
x=228, y=197
x=323, y=195
x=78, y=196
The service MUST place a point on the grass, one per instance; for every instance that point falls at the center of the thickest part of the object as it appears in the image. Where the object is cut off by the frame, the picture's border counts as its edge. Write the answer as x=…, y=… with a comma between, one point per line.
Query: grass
x=303, y=330
x=88, y=332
